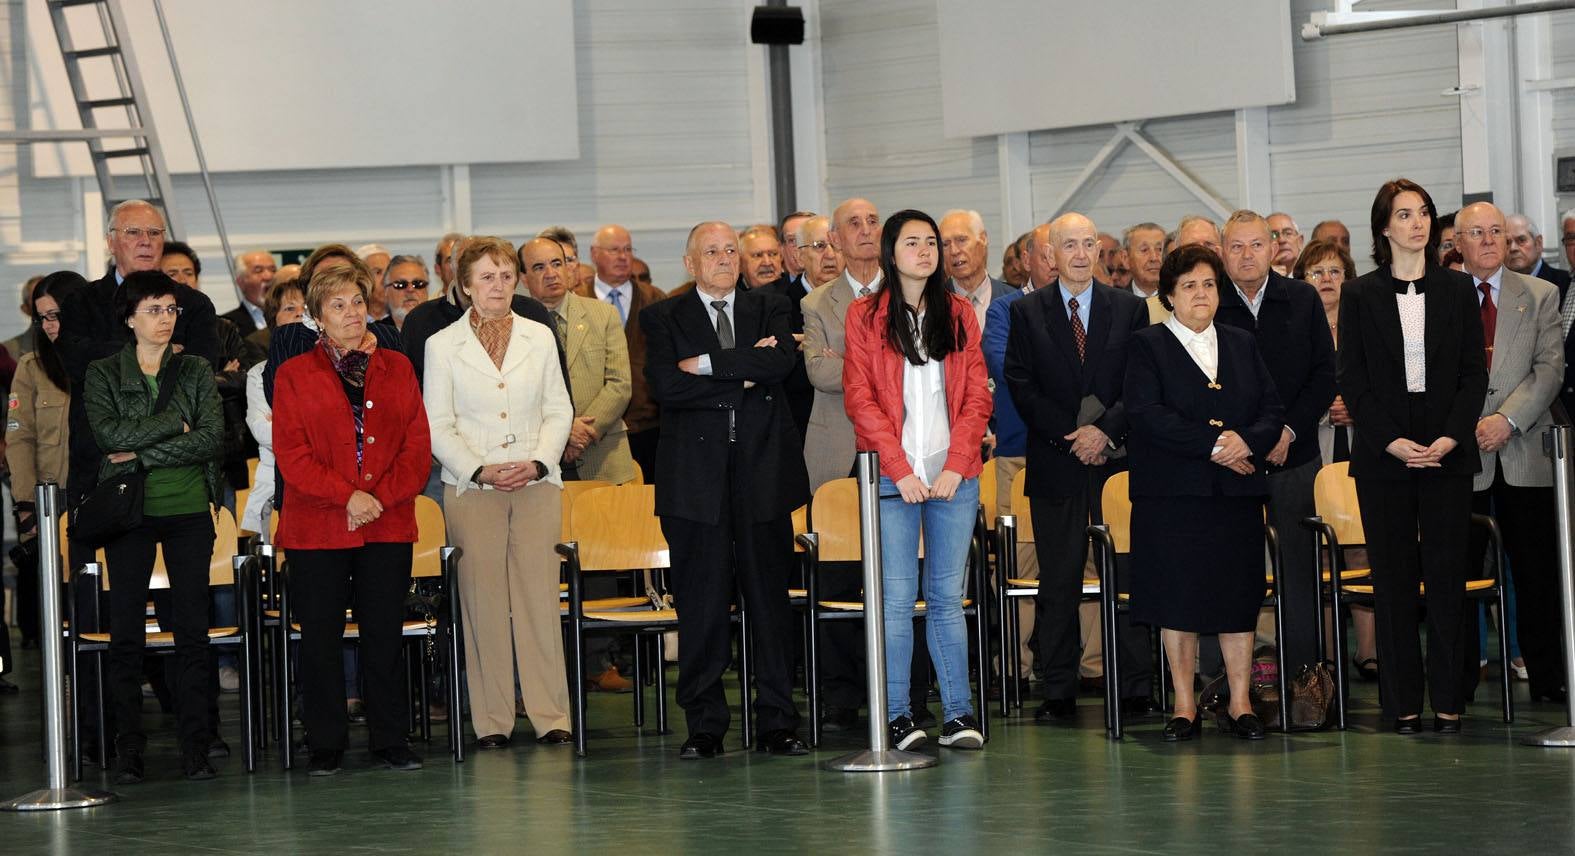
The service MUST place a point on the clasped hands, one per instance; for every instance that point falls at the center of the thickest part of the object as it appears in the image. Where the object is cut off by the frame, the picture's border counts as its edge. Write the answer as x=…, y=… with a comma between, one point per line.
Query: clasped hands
x=914, y=491
x=1494, y=432
x=692, y=364
x=1417, y=456
x=1231, y=452
x=1089, y=445
x=582, y=433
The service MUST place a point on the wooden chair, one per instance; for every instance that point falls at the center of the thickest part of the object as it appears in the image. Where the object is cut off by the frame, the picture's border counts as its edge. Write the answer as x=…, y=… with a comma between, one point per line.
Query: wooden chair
x=224, y=568
x=433, y=562
x=1338, y=525
x=834, y=536
x=615, y=529
x=1114, y=538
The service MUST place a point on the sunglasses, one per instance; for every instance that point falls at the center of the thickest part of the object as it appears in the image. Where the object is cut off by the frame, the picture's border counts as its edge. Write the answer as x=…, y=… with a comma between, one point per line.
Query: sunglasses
x=402, y=284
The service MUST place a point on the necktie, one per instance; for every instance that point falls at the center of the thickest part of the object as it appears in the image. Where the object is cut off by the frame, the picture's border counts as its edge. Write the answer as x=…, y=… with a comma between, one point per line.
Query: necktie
x=864, y=291
x=615, y=297
x=1489, y=319
x=1568, y=312
x=562, y=326
x=1078, y=333
x=724, y=327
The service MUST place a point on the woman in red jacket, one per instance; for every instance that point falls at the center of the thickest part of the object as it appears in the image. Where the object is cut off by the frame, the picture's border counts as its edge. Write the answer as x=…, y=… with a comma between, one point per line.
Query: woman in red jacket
x=917, y=393
x=350, y=436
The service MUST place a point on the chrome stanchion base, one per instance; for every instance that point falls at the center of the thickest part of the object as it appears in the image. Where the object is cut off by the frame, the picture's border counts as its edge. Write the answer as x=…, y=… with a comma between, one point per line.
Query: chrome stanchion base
x=49, y=799
x=880, y=761
x=1558, y=736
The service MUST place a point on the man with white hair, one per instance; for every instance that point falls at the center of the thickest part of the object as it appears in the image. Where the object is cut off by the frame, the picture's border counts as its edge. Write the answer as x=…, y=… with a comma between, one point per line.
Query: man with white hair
x=966, y=249
x=1525, y=252
x=1567, y=311
x=1288, y=242
x=376, y=257
x=254, y=272
x=91, y=329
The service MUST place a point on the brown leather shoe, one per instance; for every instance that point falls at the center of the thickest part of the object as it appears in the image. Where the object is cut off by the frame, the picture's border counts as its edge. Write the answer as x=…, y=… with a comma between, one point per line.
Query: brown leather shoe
x=610, y=682
x=555, y=737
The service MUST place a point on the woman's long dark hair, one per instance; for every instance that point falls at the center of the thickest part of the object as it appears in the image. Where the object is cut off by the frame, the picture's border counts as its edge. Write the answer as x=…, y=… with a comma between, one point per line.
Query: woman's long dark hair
x=1383, y=206
x=60, y=285
x=942, y=333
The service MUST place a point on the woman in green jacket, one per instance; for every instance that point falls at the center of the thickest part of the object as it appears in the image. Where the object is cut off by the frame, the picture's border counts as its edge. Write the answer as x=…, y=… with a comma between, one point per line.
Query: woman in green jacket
x=180, y=448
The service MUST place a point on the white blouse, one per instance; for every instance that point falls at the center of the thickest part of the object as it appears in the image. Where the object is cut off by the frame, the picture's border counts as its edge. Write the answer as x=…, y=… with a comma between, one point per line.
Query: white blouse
x=1203, y=348
x=1413, y=328
x=926, y=426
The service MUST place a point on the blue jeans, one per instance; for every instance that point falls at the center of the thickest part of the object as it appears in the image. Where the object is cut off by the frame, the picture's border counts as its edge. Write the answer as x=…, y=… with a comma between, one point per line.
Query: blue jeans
x=948, y=529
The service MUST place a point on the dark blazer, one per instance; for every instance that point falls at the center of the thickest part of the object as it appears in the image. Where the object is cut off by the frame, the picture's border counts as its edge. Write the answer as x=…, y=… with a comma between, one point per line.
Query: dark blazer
x=800, y=392
x=91, y=329
x=1549, y=273
x=1372, y=371
x=1293, y=337
x=1176, y=416
x=1048, y=383
x=692, y=456
x=242, y=319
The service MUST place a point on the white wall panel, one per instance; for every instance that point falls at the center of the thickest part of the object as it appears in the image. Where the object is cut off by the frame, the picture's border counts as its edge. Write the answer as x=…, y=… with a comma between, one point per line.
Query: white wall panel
x=1562, y=39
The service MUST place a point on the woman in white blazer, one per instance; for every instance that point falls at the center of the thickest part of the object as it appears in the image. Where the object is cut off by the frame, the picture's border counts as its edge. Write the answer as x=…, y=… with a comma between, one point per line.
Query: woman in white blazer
x=500, y=417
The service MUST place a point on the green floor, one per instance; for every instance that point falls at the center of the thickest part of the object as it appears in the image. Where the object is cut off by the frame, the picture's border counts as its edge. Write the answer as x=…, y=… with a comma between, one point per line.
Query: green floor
x=1033, y=789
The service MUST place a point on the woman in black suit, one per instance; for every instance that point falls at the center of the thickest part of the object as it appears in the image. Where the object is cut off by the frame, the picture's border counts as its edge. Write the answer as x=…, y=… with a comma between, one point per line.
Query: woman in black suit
x=1201, y=406
x=1413, y=373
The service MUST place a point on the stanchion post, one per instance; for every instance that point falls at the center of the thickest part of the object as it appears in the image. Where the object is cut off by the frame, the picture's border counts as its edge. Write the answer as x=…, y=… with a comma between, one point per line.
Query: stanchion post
x=1557, y=444
x=59, y=794
x=879, y=757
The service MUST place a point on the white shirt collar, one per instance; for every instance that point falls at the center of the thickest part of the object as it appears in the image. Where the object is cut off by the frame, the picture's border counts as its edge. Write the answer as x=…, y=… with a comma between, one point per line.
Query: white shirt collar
x=603, y=289
x=1496, y=280
x=1255, y=303
x=1185, y=334
x=872, y=285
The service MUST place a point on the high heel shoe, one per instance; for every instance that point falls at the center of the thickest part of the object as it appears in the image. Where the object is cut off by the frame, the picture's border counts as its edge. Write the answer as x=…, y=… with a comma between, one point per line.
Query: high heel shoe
x=1367, y=668
x=1181, y=728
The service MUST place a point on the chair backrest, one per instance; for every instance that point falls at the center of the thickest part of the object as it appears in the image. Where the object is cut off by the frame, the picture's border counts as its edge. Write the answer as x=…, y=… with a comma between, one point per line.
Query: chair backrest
x=987, y=493
x=618, y=530
x=572, y=490
x=800, y=526
x=220, y=571
x=1116, y=505
x=834, y=514
x=1020, y=509
x=65, y=552
x=251, y=472
x=1334, y=498
x=431, y=538
x=639, y=475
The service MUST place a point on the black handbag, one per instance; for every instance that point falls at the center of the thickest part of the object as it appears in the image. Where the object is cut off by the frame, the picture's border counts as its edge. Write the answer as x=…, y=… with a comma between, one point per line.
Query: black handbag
x=114, y=506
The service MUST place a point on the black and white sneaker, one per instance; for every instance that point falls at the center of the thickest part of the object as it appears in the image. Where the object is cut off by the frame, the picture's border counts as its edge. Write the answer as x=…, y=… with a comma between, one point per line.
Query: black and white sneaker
x=904, y=734
x=962, y=733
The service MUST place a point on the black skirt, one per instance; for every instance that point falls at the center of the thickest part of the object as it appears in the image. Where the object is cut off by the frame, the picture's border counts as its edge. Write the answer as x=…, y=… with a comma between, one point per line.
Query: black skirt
x=1198, y=562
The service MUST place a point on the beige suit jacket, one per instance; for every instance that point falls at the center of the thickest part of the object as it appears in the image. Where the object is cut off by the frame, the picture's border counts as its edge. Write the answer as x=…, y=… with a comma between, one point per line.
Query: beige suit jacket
x=1526, y=375
x=828, y=441
x=600, y=383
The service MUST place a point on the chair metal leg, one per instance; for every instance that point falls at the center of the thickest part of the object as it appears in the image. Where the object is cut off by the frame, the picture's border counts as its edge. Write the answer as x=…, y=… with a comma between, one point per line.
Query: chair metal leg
x=578, y=694
x=1340, y=688
x=103, y=727
x=1503, y=655
x=639, y=680
x=73, y=674
x=745, y=651
x=661, y=686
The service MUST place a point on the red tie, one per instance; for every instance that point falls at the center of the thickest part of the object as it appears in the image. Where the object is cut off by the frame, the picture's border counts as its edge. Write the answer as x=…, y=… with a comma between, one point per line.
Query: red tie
x=1489, y=319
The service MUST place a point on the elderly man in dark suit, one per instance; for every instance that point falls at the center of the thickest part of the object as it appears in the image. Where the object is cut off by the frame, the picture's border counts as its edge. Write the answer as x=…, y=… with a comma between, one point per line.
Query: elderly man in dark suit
x=1066, y=364
x=1525, y=357
x=1287, y=318
x=730, y=472
x=90, y=325
x=254, y=272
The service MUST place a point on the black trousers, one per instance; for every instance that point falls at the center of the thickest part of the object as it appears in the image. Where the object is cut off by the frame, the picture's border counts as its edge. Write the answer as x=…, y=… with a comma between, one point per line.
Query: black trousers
x=188, y=543
x=642, y=447
x=1291, y=502
x=371, y=581
x=710, y=563
x=1437, y=507
x=1527, y=522
x=1061, y=540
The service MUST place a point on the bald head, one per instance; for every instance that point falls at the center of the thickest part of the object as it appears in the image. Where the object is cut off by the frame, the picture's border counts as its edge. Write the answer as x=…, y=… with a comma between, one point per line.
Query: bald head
x=1481, y=238
x=711, y=257
x=855, y=231
x=612, y=253
x=1074, y=243
x=1037, y=257
x=1198, y=230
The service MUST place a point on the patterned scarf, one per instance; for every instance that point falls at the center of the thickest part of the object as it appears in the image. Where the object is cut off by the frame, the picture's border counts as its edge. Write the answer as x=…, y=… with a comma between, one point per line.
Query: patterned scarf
x=493, y=334
x=351, y=364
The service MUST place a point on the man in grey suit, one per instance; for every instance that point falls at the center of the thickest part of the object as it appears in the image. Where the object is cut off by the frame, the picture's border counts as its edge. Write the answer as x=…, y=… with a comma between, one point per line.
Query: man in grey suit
x=967, y=248
x=854, y=233
x=1525, y=354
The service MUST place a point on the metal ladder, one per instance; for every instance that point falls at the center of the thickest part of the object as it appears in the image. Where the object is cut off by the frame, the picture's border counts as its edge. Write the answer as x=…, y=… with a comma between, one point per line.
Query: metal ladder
x=133, y=121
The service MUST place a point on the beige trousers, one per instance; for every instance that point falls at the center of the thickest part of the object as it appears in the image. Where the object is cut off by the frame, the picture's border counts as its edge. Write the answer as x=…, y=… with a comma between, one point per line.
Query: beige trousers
x=1092, y=664
x=508, y=591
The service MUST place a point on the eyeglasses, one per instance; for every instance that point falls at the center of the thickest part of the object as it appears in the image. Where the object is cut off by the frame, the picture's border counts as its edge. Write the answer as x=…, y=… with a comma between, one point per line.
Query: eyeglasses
x=1287, y=232
x=1475, y=233
x=50, y=316
x=402, y=284
x=1329, y=274
x=818, y=246
x=156, y=311
x=137, y=233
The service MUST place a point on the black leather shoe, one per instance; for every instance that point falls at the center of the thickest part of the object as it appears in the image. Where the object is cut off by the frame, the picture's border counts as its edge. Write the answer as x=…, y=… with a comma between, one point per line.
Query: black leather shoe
x=128, y=768
x=1446, y=726
x=218, y=748
x=8, y=688
x=1136, y=705
x=1367, y=668
x=493, y=741
x=555, y=737
x=1557, y=695
x=1248, y=727
x=1409, y=726
x=1181, y=728
x=195, y=767
x=1056, y=710
x=397, y=758
x=700, y=745
x=838, y=719
x=324, y=762
x=782, y=742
